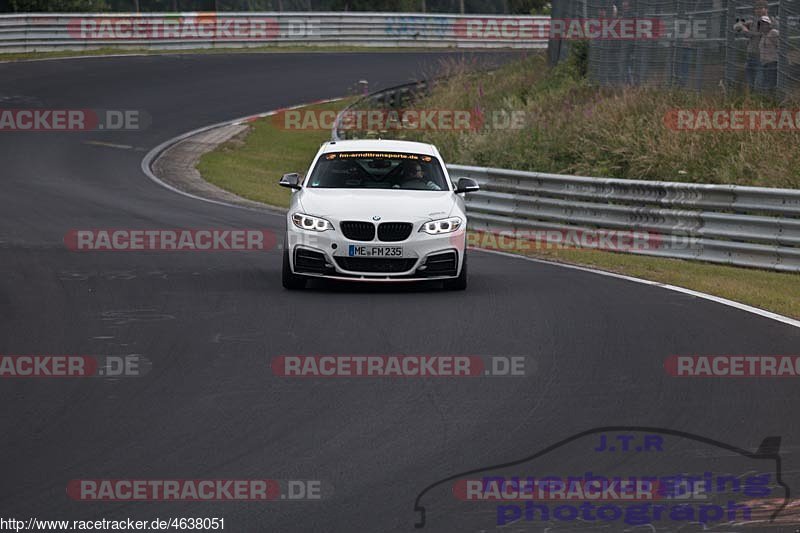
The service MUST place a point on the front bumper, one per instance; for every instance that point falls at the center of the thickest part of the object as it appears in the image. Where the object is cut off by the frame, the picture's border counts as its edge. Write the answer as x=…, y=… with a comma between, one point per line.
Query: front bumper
x=326, y=254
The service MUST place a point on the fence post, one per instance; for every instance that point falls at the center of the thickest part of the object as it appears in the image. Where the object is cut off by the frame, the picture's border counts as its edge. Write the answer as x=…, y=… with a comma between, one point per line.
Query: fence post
x=677, y=52
x=783, y=41
x=730, y=40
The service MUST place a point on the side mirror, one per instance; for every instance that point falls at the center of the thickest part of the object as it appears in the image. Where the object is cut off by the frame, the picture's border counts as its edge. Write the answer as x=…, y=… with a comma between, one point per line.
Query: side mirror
x=467, y=185
x=291, y=180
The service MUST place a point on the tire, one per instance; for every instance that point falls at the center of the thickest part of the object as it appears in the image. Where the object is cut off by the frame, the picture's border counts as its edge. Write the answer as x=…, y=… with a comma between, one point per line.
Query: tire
x=291, y=281
x=459, y=283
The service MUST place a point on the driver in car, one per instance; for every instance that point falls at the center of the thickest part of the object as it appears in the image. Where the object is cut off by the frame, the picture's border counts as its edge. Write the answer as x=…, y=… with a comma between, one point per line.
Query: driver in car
x=414, y=178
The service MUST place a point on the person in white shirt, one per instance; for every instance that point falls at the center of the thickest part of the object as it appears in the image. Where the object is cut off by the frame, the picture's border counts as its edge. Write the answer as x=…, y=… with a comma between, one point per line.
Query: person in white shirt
x=768, y=53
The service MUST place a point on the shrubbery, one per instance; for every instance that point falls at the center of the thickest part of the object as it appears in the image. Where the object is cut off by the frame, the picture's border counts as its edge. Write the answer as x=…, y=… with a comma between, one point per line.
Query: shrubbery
x=576, y=128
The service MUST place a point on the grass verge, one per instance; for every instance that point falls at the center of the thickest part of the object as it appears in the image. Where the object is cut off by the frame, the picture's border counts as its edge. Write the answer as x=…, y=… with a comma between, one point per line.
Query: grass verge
x=251, y=165
x=99, y=52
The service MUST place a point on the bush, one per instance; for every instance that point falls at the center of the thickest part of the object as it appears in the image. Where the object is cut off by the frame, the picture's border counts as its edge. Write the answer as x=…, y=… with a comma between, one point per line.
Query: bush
x=573, y=127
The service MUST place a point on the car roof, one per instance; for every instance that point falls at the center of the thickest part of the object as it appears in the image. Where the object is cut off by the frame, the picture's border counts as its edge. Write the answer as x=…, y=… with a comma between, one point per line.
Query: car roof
x=373, y=145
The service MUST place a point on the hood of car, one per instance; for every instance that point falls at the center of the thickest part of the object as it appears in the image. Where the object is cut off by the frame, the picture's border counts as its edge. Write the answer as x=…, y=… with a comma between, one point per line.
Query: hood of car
x=391, y=205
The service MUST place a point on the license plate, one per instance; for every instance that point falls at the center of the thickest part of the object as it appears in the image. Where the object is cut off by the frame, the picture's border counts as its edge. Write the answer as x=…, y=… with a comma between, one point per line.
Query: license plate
x=374, y=251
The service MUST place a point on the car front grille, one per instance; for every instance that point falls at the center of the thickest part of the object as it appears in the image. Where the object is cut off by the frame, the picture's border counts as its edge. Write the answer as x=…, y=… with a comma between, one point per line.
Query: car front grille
x=394, y=231
x=358, y=231
x=374, y=264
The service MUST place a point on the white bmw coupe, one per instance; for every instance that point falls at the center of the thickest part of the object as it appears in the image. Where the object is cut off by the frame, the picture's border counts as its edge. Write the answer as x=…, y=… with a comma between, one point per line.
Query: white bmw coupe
x=376, y=210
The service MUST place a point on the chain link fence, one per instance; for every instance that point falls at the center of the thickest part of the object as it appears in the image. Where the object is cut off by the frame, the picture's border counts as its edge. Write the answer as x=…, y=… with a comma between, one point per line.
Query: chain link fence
x=692, y=44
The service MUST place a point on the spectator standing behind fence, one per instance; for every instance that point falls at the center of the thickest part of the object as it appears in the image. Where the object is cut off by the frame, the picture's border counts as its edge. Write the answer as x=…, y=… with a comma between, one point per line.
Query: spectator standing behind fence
x=750, y=28
x=768, y=47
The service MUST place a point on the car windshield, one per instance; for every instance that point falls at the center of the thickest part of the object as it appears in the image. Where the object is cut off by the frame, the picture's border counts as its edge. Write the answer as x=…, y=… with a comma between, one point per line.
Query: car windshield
x=378, y=170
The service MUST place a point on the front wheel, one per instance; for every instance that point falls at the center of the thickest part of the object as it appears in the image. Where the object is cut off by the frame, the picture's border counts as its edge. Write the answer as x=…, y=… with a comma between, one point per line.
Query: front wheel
x=291, y=280
x=459, y=283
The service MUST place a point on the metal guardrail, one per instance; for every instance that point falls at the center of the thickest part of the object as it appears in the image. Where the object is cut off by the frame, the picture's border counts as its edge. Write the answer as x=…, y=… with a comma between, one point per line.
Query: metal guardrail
x=49, y=32
x=744, y=226
x=729, y=224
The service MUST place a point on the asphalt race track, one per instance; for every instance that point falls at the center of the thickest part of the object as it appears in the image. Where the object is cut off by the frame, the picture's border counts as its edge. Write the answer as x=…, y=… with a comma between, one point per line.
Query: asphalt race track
x=209, y=323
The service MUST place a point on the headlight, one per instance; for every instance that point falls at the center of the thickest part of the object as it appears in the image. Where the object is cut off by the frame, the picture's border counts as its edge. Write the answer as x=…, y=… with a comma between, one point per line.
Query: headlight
x=310, y=223
x=445, y=225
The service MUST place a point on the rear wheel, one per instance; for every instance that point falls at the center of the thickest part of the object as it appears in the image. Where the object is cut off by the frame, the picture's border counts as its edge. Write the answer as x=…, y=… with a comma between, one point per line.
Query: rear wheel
x=459, y=283
x=291, y=280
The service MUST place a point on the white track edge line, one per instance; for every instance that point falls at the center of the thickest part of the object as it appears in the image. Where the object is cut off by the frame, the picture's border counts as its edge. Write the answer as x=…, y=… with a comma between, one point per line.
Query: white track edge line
x=153, y=154
x=717, y=299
